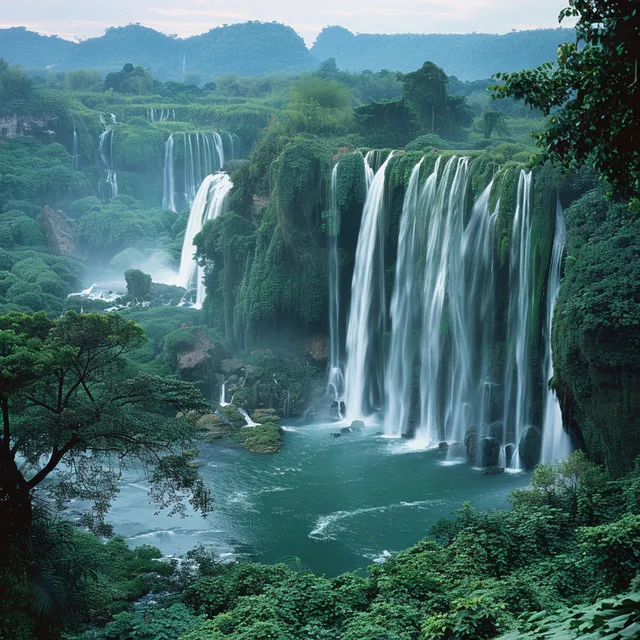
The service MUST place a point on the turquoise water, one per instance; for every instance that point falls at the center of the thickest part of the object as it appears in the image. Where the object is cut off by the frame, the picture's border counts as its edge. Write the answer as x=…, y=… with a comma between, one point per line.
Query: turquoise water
x=337, y=504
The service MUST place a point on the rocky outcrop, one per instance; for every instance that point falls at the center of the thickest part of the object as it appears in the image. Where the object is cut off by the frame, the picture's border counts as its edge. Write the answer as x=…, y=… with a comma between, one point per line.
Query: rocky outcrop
x=204, y=354
x=596, y=332
x=57, y=232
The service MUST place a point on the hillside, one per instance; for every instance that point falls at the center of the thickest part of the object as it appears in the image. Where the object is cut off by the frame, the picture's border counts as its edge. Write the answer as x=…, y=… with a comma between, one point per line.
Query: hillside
x=466, y=56
x=259, y=48
x=248, y=49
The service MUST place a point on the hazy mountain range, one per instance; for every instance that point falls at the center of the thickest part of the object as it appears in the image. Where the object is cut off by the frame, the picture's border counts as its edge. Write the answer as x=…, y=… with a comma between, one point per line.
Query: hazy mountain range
x=259, y=48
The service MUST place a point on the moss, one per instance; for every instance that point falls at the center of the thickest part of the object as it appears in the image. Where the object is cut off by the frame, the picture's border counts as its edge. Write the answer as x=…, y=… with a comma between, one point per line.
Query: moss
x=596, y=330
x=266, y=438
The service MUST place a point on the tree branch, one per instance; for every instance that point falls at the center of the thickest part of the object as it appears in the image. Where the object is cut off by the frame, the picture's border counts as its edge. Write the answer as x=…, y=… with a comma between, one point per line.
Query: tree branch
x=54, y=460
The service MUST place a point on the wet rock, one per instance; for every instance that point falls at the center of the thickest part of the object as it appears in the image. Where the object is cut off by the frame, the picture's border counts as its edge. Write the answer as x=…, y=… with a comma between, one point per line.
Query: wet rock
x=492, y=471
x=529, y=447
x=489, y=452
x=336, y=434
x=346, y=430
x=232, y=366
x=357, y=425
x=443, y=447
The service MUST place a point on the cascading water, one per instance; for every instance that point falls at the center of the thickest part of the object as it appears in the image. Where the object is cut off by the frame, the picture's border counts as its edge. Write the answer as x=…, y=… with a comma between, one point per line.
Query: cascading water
x=109, y=186
x=208, y=205
x=160, y=115
x=202, y=153
x=74, y=152
x=335, y=385
x=555, y=440
x=231, y=145
x=517, y=380
x=399, y=372
x=169, y=182
x=444, y=370
x=465, y=313
x=363, y=373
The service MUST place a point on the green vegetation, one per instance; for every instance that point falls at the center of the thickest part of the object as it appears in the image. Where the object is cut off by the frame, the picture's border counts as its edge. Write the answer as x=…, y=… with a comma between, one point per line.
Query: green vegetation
x=591, y=93
x=569, y=541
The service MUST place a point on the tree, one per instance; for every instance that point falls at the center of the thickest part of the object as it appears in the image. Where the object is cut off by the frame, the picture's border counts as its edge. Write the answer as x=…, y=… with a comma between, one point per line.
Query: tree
x=592, y=93
x=69, y=406
x=425, y=91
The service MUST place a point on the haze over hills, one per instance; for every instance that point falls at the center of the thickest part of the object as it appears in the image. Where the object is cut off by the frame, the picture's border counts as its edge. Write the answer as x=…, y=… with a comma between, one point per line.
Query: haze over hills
x=258, y=48
x=469, y=56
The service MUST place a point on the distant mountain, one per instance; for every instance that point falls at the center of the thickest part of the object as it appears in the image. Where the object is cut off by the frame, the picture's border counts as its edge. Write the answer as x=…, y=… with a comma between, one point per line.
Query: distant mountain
x=259, y=48
x=467, y=56
x=248, y=49
x=30, y=49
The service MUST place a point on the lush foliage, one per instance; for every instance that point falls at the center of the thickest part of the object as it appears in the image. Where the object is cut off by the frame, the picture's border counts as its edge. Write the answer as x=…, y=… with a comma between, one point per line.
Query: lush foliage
x=592, y=93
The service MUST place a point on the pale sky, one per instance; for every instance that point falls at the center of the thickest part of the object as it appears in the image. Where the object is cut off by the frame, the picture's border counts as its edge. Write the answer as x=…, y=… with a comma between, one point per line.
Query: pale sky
x=73, y=19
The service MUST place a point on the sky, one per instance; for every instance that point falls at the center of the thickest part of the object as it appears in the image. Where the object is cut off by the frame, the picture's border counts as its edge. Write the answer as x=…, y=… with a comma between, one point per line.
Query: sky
x=79, y=19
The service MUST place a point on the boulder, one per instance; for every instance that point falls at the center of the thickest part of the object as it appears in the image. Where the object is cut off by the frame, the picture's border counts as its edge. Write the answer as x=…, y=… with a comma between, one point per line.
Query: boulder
x=489, y=452
x=443, y=447
x=492, y=471
x=232, y=366
x=529, y=447
x=357, y=425
x=57, y=232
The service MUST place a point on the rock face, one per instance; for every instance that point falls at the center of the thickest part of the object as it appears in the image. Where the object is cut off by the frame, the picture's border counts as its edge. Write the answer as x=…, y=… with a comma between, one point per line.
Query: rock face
x=596, y=332
x=57, y=232
x=205, y=354
x=529, y=447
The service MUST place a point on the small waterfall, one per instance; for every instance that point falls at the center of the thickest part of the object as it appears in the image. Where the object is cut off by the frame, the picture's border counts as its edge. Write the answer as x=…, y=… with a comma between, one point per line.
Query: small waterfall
x=363, y=374
x=335, y=385
x=105, y=152
x=223, y=402
x=517, y=381
x=169, y=182
x=74, y=152
x=398, y=380
x=207, y=205
x=202, y=155
x=231, y=145
x=159, y=115
x=555, y=440
x=247, y=419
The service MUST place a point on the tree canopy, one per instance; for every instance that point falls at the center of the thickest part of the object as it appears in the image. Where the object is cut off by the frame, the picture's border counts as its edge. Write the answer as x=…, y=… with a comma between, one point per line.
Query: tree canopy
x=592, y=93
x=68, y=404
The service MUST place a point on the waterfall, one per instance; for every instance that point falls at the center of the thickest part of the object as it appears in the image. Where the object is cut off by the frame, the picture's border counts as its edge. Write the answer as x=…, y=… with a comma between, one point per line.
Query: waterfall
x=398, y=379
x=169, y=182
x=159, y=115
x=335, y=385
x=444, y=370
x=105, y=152
x=207, y=205
x=366, y=317
x=555, y=440
x=231, y=145
x=247, y=419
x=223, y=402
x=203, y=154
x=517, y=380
x=480, y=308
x=74, y=152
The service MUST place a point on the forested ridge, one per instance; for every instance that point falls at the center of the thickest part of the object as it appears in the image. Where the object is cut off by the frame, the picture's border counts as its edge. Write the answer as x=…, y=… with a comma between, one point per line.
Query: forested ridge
x=260, y=48
x=140, y=340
